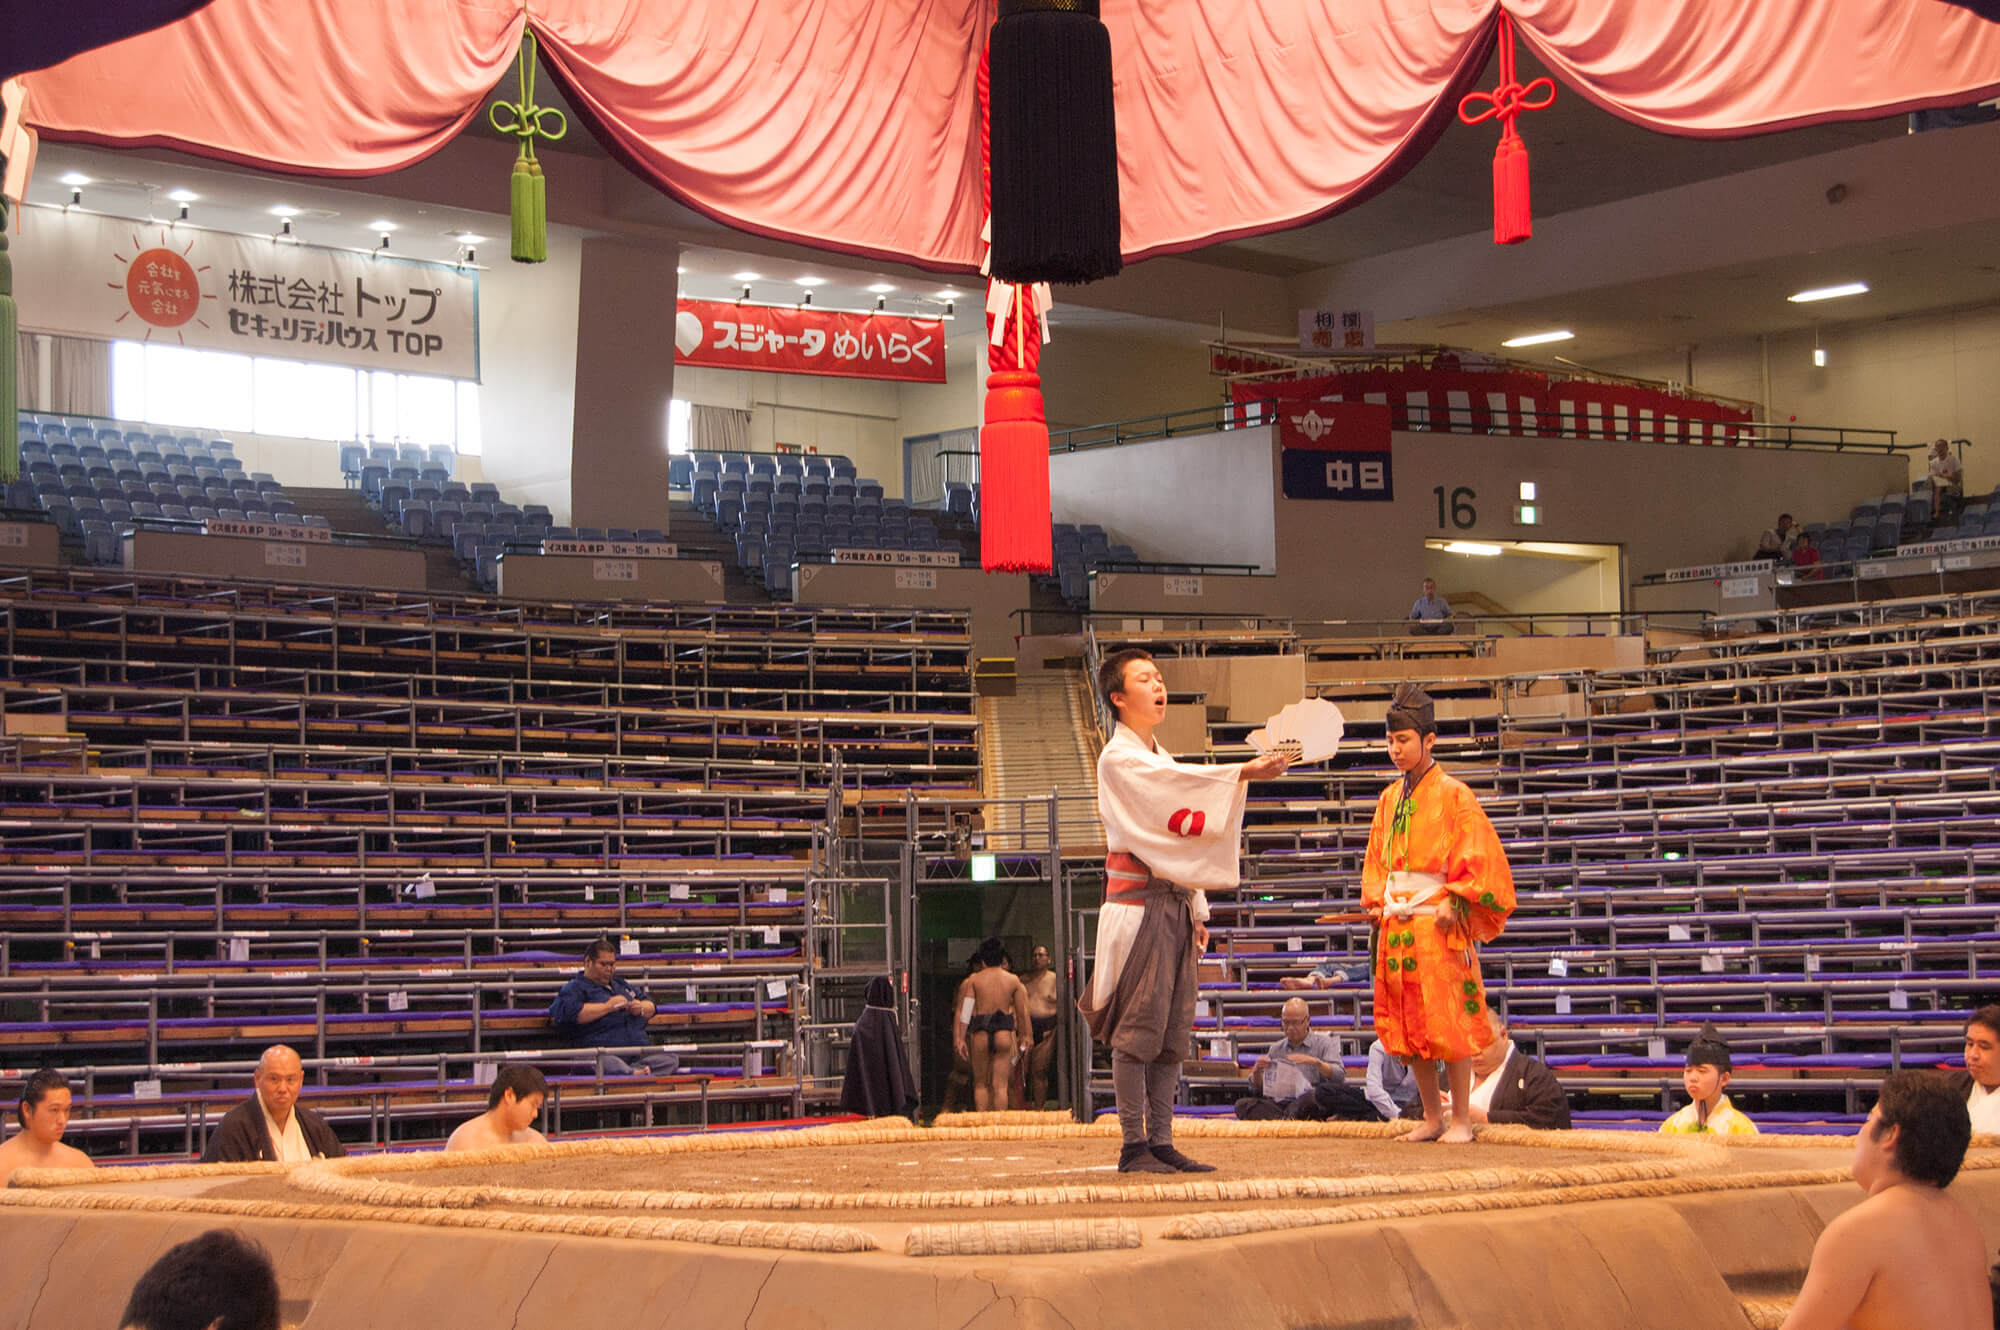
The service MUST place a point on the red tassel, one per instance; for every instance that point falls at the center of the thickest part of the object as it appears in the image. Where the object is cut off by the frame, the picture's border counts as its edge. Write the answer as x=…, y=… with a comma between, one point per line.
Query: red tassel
x=1014, y=532
x=1513, y=219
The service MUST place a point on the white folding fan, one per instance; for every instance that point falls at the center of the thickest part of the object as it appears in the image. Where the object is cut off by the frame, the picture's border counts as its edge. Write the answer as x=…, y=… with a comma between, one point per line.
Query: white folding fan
x=1307, y=731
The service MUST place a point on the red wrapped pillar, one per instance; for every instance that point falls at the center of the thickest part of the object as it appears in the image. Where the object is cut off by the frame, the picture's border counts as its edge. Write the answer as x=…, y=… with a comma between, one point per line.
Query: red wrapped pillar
x=1014, y=532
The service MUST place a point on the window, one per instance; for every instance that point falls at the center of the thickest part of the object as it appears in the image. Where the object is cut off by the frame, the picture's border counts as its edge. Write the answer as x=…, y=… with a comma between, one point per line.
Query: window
x=215, y=390
x=680, y=426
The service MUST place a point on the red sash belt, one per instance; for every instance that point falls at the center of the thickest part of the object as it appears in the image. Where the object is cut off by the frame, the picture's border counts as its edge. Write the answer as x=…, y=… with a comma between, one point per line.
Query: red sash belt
x=1125, y=876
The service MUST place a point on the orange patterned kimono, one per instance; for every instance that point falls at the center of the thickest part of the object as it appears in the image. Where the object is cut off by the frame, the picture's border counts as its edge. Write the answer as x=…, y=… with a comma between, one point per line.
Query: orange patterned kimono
x=1429, y=1001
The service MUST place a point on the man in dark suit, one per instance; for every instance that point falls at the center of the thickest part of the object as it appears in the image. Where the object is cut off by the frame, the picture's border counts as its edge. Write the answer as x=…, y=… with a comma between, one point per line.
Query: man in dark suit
x=270, y=1125
x=1979, y=1084
x=1510, y=1087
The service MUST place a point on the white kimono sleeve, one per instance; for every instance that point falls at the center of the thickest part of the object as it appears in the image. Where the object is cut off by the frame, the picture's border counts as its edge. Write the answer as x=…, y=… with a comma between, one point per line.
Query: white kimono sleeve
x=1184, y=821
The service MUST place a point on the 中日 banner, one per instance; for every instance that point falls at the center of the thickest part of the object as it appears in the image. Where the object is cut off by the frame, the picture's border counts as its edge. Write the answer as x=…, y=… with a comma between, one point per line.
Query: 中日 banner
x=722, y=334
x=79, y=274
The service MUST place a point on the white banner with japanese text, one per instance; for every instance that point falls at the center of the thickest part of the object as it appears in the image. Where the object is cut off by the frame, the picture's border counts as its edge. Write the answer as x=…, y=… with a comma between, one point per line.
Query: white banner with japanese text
x=80, y=274
x=781, y=339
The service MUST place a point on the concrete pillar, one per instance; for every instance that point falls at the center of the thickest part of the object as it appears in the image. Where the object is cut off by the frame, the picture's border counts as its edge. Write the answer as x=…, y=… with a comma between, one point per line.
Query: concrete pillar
x=624, y=381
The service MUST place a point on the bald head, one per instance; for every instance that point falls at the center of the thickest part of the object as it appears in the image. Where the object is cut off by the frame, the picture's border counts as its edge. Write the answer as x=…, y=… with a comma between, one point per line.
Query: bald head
x=1294, y=1009
x=280, y=1074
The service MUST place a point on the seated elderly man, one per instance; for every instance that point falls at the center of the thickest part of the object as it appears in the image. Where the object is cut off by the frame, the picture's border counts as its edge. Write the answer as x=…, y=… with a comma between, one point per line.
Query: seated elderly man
x=511, y=1109
x=1509, y=1087
x=44, y=1114
x=597, y=1009
x=1283, y=1081
x=271, y=1125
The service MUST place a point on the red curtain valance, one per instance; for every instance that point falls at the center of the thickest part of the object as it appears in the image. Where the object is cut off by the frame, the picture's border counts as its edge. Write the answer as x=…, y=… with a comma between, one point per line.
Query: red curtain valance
x=852, y=124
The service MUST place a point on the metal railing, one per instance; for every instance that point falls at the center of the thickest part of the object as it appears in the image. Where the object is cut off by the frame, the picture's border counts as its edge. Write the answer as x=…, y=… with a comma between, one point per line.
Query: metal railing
x=1479, y=419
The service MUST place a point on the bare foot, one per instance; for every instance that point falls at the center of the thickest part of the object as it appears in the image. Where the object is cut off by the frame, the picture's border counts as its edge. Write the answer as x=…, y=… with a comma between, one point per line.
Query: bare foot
x=1427, y=1131
x=1460, y=1134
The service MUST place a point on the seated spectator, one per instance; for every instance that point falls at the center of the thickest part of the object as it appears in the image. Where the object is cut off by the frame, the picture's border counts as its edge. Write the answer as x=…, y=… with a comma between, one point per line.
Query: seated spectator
x=512, y=1106
x=44, y=1115
x=1909, y=1254
x=218, y=1281
x=1805, y=558
x=1431, y=614
x=1391, y=1086
x=1979, y=1084
x=1947, y=481
x=1509, y=1087
x=1282, y=1081
x=1775, y=544
x=271, y=1125
x=1324, y=975
x=597, y=1009
x=1704, y=1076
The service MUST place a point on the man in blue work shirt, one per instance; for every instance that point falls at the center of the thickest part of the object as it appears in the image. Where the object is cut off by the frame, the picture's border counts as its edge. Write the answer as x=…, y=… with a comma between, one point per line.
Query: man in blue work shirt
x=1431, y=613
x=597, y=1009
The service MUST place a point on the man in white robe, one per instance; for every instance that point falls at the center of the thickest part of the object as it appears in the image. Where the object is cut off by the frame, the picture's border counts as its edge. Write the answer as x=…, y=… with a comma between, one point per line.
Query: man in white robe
x=1171, y=832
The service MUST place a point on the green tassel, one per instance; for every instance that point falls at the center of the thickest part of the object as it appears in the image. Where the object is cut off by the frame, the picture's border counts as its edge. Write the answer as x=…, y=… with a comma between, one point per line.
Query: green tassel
x=530, y=213
x=529, y=189
x=10, y=365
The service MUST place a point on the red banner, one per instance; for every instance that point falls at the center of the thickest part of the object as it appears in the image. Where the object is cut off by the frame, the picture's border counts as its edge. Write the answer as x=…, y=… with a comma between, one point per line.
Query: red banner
x=1447, y=397
x=1334, y=426
x=722, y=334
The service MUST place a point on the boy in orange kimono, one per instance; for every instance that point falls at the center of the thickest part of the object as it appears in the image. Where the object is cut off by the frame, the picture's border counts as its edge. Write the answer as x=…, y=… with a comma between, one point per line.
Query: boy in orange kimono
x=1436, y=883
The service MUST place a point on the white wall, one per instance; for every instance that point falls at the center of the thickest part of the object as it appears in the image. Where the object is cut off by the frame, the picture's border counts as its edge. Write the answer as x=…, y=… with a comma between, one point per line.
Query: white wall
x=527, y=364
x=1668, y=506
x=1092, y=377
x=858, y=418
x=1199, y=498
x=1924, y=375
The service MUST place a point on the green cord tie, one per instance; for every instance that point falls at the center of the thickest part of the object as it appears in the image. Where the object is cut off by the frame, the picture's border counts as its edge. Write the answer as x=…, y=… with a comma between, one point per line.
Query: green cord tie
x=525, y=121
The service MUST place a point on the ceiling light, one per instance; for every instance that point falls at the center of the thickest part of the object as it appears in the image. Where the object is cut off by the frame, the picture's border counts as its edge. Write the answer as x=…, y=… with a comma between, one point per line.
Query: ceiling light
x=1528, y=491
x=681, y=271
x=75, y=179
x=747, y=277
x=1538, y=339
x=182, y=195
x=468, y=238
x=1819, y=357
x=880, y=289
x=284, y=210
x=1828, y=293
x=1471, y=547
x=381, y=224
x=812, y=281
x=947, y=294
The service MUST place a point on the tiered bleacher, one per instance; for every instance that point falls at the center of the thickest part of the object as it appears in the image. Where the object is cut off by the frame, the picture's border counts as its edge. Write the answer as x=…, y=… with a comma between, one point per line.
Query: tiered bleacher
x=417, y=495
x=778, y=508
x=384, y=831
x=1794, y=834
x=94, y=477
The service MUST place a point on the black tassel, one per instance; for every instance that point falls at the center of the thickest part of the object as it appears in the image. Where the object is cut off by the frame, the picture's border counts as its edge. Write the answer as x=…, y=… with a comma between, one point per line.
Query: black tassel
x=1054, y=144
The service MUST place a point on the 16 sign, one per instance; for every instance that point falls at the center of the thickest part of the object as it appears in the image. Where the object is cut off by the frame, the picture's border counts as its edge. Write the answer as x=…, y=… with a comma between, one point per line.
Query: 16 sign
x=781, y=339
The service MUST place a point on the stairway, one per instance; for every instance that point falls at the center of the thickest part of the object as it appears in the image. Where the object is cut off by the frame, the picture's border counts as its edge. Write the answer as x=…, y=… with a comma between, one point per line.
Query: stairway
x=351, y=514
x=346, y=509
x=1043, y=737
x=690, y=529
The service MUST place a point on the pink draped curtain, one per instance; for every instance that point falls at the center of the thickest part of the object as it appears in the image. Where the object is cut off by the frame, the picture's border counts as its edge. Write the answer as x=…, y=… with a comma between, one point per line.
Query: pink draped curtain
x=851, y=125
